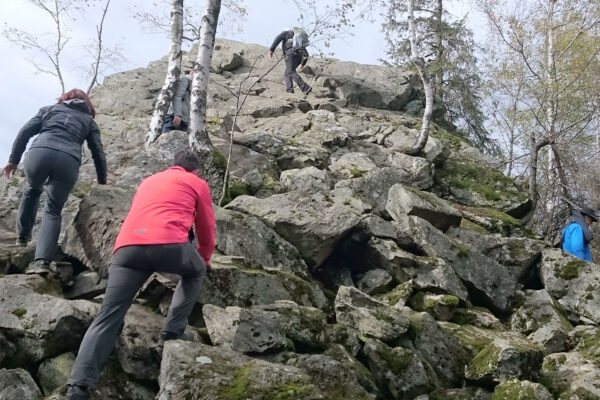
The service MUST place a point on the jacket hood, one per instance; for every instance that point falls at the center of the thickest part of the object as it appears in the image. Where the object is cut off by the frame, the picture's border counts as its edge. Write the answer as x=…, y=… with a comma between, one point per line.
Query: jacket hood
x=577, y=218
x=77, y=104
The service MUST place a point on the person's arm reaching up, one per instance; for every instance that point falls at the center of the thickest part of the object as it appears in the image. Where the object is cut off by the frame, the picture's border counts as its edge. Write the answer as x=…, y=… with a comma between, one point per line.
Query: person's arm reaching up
x=205, y=222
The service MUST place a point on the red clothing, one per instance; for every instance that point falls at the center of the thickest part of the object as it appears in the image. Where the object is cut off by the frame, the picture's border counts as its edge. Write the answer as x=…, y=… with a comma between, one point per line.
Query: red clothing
x=164, y=208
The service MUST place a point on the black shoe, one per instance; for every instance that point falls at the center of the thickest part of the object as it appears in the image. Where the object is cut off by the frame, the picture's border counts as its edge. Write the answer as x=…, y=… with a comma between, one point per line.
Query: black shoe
x=290, y=91
x=76, y=392
x=307, y=91
x=39, y=266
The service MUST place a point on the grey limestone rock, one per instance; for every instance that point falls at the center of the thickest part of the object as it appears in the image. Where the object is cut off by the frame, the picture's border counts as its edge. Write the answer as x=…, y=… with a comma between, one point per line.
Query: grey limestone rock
x=18, y=384
x=404, y=200
x=311, y=223
x=573, y=283
x=190, y=370
x=400, y=371
x=244, y=235
x=370, y=317
x=375, y=281
x=244, y=330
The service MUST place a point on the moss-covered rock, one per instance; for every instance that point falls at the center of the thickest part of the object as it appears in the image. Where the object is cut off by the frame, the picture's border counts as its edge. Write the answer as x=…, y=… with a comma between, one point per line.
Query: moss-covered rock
x=472, y=184
x=573, y=283
x=398, y=371
x=521, y=390
x=440, y=306
x=505, y=359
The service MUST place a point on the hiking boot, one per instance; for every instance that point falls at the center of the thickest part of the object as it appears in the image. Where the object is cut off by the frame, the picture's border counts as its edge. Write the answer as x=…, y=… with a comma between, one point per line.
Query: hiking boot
x=39, y=266
x=307, y=91
x=76, y=392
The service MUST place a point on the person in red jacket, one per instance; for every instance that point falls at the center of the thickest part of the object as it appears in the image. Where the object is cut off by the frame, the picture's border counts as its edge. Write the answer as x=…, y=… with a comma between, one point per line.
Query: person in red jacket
x=153, y=237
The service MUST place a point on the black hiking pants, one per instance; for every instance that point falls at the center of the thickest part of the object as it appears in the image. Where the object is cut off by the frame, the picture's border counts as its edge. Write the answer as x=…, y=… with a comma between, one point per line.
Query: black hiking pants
x=58, y=171
x=292, y=61
x=130, y=267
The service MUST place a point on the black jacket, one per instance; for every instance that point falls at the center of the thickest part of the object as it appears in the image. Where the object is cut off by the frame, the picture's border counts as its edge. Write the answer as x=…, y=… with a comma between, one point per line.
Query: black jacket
x=64, y=127
x=285, y=38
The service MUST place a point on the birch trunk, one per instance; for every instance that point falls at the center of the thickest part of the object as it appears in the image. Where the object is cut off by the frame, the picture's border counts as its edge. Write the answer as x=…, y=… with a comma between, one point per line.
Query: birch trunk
x=419, y=63
x=198, y=135
x=439, y=73
x=173, y=73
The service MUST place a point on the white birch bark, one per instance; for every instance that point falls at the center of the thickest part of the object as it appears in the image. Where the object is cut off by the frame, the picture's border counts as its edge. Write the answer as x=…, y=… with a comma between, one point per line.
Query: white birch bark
x=197, y=134
x=173, y=73
x=419, y=63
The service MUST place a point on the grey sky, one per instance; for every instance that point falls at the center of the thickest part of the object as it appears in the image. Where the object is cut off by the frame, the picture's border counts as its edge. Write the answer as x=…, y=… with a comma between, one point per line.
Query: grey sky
x=23, y=92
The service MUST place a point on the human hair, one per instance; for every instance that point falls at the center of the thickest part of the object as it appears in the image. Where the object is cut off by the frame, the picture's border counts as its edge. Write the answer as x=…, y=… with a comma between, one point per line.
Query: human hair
x=78, y=94
x=186, y=159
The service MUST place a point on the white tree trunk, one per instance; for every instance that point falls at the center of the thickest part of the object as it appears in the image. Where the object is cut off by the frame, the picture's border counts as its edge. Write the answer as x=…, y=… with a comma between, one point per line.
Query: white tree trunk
x=173, y=73
x=419, y=63
x=198, y=135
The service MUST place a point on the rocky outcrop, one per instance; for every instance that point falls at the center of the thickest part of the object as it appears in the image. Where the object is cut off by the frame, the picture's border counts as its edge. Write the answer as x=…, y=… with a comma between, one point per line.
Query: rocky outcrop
x=344, y=268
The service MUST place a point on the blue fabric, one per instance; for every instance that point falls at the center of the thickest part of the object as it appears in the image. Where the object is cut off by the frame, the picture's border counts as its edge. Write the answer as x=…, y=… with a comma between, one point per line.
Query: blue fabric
x=574, y=243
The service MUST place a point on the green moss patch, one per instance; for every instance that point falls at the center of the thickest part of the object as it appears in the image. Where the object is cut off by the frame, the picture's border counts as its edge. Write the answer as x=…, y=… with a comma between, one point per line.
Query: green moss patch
x=513, y=390
x=570, y=270
x=490, y=184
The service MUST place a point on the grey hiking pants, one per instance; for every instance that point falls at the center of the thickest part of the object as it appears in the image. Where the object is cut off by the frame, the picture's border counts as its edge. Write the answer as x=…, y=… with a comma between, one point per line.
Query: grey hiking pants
x=292, y=61
x=130, y=267
x=59, y=171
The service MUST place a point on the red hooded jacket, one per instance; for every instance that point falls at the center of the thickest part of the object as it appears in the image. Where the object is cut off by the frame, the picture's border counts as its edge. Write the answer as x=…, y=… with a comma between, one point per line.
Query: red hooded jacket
x=164, y=208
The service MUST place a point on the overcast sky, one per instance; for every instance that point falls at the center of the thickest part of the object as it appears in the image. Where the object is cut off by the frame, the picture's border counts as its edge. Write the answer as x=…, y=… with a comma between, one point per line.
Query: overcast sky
x=23, y=91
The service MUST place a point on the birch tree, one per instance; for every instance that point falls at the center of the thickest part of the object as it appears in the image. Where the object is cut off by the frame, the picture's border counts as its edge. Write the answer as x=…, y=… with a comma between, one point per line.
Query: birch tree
x=198, y=134
x=557, y=43
x=448, y=48
x=173, y=72
x=421, y=66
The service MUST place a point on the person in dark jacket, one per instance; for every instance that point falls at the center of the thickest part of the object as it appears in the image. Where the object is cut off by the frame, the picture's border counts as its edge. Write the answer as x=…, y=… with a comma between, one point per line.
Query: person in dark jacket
x=154, y=237
x=53, y=159
x=577, y=235
x=294, y=58
x=178, y=116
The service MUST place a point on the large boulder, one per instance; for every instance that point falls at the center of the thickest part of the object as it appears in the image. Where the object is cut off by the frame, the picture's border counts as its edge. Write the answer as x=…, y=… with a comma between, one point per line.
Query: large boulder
x=41, y=326
x=54, y=372
x=399, y=371
x=425, y=272
x=370, y=317
x=518, y=253
x=234, y=282
x=505, y=359
x=244, y=330
x=336, y=371
x=471, y=182
x=18, y=384
x=490, y=283
x=240, y=234
x=541, y=319
x=367, y=93
x=190, y=370
x=404, y=200
x=310, y=180
x=373, y=187
x=305, y=326
x=515, y=389
x=311, y=223
x=439, y=348
x=570, y=376
x=572, y=282
x=91, y=237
